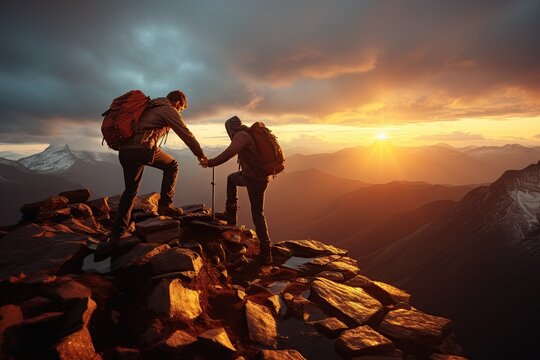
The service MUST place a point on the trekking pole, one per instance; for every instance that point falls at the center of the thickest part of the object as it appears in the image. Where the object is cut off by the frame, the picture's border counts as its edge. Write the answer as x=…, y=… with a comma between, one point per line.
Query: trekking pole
x=213, y=192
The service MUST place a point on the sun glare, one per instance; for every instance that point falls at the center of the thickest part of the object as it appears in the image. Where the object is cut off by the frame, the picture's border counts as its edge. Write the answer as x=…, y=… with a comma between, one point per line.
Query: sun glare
x=382, y=136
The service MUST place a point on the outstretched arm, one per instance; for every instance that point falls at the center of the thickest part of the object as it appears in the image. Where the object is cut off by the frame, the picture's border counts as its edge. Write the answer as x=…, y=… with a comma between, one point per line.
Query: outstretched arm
x=175, y=121
x=239, y=142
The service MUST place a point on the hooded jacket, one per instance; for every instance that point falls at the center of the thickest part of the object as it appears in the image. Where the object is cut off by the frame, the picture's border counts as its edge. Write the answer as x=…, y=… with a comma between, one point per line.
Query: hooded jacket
x=156, y=121
x=242, y=144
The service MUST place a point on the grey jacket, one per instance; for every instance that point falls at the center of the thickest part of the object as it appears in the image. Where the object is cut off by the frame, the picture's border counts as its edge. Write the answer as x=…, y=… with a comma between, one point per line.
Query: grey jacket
x=156, y=121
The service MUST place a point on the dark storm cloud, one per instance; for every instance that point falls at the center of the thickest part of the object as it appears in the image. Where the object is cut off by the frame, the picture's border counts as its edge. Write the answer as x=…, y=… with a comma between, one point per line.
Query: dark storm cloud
x=368, y=61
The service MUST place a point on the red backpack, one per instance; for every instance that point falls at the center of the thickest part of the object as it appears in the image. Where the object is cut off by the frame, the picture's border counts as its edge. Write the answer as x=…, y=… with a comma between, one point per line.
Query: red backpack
x=270, y=159
x=119, y=122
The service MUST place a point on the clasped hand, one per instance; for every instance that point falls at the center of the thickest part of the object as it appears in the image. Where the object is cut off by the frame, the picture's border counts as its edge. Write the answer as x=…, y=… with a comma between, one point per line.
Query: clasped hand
x=203, y=161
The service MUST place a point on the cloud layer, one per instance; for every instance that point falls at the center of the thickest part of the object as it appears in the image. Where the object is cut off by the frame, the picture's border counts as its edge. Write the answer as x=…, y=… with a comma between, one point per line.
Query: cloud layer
x=358, y=62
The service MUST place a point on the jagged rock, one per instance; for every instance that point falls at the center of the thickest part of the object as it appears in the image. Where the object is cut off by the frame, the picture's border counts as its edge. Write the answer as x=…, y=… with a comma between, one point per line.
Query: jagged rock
x=262, y=326
x=177, y=342
x=76, y=196
x=217, y=339
x=100, y=206
x=156, y=224
x=295, y=305
x=331, y=327
x=146, y=203
x=34, y=249
x=331, y=275
x=71, y=290
x=10, y=315
x=172, y=298
x=363, y=340
x=353, y=304
x=50, y=204
x=311, y=248
x=397, y=294
x=164, y=236
x=176, y=259
x=413, y=327
x=123, y=353
x=139, y=255
x=359, y=281
x=287, y=354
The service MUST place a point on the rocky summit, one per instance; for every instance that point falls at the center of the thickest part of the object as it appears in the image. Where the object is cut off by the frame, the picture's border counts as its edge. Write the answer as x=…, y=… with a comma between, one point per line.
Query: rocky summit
x=191, y=288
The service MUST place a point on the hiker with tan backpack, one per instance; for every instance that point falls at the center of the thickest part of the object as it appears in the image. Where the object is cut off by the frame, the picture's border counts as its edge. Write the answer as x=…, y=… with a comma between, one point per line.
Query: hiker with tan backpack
x=259, y=158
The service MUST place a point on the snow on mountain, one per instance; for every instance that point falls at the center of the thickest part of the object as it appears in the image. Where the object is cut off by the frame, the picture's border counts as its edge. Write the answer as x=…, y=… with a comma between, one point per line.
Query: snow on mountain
x=52, y=159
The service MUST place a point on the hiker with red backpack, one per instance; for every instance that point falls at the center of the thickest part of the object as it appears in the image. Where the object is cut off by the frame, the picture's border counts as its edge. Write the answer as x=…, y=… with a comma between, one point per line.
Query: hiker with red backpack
x=134, y=125
x=259, y=157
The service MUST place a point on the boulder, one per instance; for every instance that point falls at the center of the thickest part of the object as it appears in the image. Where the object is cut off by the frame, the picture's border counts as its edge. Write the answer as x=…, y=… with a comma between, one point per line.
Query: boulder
x=170, y=297
x=359, y=281
x=275, y=304
x=351, y=304
x=385, y=293
x=175, y=260
x=343, y=267
x=155, y=224
x=261, y=324
x=50, y=204
x=146, y=203
x=331, y=327
x=139, y=255
x=413, y=328
x=287, y=354
x=76, y=196
x=363, y=340
x=35, y=249
x=217, y=339
x=311, y=248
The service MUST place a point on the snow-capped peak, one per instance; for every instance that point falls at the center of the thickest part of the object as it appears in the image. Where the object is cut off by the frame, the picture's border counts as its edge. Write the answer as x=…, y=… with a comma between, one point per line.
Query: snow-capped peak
x=52, y=159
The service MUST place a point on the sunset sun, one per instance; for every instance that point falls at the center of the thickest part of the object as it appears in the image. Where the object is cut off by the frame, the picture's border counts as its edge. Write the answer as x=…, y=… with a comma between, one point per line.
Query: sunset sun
x=382, y=136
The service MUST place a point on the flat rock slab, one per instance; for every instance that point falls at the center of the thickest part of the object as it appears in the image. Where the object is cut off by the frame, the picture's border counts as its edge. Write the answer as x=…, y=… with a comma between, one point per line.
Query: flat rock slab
x=397, y=294
x=311, y=248
x=164, y=236
x=287, y=354
x=353, y=304
x=363, y=340
x=50, y=204
x=154, y=224
x=176, y=260
x=413, y=327
x=343, y=267
x=331, y=327
x=139, y=255
x=262, y=326
x=172, y=298
x=35, y=249
x=335, y=276
x=217, y=339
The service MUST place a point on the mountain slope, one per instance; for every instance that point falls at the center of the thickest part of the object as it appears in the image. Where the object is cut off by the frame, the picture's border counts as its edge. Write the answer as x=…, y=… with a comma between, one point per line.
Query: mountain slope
x=484, y=252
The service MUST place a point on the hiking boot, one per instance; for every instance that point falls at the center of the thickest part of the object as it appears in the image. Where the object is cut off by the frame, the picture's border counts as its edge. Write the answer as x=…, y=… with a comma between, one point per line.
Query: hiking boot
x=106, y=248
x=230, y=215
x=265, y=255
x=170, y=210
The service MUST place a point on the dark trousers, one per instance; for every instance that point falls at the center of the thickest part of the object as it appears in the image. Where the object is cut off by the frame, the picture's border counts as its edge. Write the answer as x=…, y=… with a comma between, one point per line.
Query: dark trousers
x=256, y=190
x=133, y=162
